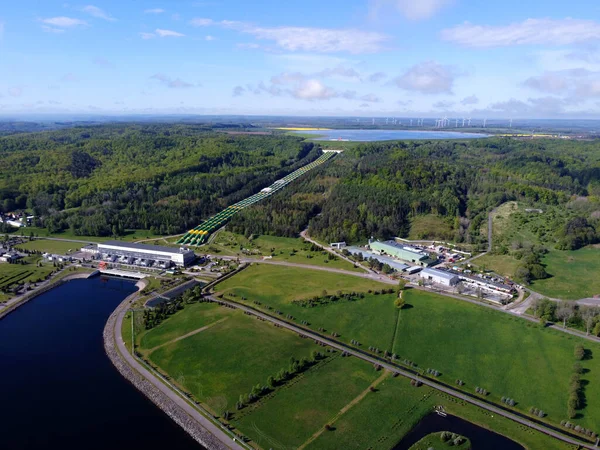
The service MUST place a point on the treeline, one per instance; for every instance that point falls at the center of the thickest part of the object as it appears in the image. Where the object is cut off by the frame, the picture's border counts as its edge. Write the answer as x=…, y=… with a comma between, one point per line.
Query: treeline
x=167, y=178
x=377, y=189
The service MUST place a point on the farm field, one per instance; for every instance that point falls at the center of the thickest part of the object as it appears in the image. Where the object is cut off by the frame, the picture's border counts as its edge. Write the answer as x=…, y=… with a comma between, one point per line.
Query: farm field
x=226, y=360
x=460, y=340
x=294, y=250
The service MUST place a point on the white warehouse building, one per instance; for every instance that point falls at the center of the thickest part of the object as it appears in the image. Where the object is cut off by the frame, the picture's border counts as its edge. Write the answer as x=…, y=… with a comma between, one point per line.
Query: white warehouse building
x=439, y=277
x=155, y=253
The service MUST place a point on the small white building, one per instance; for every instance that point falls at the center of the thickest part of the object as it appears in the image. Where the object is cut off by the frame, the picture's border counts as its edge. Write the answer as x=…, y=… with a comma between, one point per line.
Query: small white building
x=338, y=245
x=439, y=277
x=15, y=223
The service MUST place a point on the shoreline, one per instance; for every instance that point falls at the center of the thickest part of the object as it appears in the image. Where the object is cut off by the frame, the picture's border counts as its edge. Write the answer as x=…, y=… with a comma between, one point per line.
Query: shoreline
x=33, y=294
x=192, y=422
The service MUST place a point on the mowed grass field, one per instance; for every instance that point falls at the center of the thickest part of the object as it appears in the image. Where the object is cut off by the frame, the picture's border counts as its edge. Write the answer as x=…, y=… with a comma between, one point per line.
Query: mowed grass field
x=45, y=245
x=12, y=274
x=295, y=250
x=506, y=355
x=482, y=347
x=295, y=413
x=219, y=364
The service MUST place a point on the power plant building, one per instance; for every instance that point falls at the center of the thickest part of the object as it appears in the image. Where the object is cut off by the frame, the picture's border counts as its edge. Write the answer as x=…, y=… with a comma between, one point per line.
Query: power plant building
x=143, y=254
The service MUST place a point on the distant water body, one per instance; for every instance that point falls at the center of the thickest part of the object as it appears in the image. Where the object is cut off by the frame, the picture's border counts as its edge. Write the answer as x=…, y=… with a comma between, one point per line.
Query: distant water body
x=389, y=135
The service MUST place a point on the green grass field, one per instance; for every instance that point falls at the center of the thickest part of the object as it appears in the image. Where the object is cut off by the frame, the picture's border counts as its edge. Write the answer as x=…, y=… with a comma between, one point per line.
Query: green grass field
x=500, y=353
x=575, y=274
x=44, y=245
x=219, y=364
x=11, y=274
x=130, y=235
x=430, y=226
x=294, y=250
x=294, y=413
x=483, y=347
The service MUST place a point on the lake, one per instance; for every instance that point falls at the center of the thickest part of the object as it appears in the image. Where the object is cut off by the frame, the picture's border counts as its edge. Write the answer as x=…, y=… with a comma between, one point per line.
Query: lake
x=389, y=135
x=481, y=439
x=58, y=388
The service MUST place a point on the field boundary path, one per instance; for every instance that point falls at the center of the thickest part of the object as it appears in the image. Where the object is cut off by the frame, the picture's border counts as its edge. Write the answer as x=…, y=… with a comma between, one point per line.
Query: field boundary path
x=200, y=428
x=346, y=408
x=306, y=237
x=406, y=373
x=191, y=333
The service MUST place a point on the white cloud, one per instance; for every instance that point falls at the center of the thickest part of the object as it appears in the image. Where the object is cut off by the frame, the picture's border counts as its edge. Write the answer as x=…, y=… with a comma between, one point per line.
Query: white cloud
x=411, y=9
x=147, y=35
x=48, y=29
x=376, y=77
x=471, y=100
x=339, y=72
x=313, y=90
x=320, y=40
x=168, y=33
x=317, y=40
x=209, y=38
x=372, y=98
x=172, y=83
x=248, y=46
x=201, y=22
x=64, y=22
x=428, y=77
x=576, y=85
x=548, y=82
x=443, y=105
x=154, y=11
x=529, y=32
x=97, y=12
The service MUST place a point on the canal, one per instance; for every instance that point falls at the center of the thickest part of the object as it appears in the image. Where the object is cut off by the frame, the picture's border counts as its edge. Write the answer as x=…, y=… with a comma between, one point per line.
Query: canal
x=481, y=439
x=58, y=387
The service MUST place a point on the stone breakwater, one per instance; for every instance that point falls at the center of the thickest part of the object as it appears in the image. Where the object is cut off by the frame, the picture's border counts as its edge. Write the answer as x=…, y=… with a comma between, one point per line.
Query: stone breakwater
x=183, y=419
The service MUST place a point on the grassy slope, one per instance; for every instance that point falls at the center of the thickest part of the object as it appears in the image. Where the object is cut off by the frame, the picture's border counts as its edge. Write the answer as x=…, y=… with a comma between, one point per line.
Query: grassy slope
x=574, y=274
x=231, y=244
x=219, y=364
x=130, y=235
x=45, y=245
x=293, y=414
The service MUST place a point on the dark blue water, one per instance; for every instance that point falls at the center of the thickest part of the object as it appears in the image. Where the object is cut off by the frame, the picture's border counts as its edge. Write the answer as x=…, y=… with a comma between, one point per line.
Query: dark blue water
x=59, y=390
x=481, y=439
x=389, y=135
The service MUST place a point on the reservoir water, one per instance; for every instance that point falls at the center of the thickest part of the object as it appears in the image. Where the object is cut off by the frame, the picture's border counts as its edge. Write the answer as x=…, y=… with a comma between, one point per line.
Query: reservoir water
x=389, y=135
x=59, y=390
x=481, y=439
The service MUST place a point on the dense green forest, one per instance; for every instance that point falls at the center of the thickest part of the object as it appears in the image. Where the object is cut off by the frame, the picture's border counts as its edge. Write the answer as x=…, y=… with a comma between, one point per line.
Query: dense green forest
x=102, y=180
x=378, y=189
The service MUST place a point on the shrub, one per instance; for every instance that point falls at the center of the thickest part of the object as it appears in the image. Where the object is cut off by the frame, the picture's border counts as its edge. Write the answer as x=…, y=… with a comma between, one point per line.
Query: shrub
x=579, y=352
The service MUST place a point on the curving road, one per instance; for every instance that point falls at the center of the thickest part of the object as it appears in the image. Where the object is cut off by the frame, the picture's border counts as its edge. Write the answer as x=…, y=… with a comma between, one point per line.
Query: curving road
x=193, y=413
x=370, y=359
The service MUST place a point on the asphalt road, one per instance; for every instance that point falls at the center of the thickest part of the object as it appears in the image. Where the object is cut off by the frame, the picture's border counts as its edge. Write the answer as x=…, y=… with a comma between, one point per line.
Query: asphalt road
x=393, y=368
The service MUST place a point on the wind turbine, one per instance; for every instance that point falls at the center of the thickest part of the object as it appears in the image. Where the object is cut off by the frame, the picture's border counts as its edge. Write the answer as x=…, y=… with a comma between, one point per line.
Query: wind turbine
x=469, y=119
x=456, y=124
x=484, y=122
x=511, y=122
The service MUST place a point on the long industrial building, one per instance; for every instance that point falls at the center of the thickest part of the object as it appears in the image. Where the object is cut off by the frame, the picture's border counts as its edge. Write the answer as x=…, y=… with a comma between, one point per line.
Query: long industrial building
x=403, y=252
x=439, y=277
x=146, y=255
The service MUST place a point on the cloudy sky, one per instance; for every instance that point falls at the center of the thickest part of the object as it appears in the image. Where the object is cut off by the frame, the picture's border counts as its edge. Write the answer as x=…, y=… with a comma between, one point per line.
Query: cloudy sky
x=520, y=59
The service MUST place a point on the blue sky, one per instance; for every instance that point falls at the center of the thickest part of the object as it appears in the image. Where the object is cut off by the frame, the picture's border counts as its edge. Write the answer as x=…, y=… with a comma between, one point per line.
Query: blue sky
x=430, y=58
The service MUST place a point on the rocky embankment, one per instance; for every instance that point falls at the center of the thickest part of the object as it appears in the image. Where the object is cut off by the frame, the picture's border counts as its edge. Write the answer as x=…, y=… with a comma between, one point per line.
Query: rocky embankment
x=175, y=412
